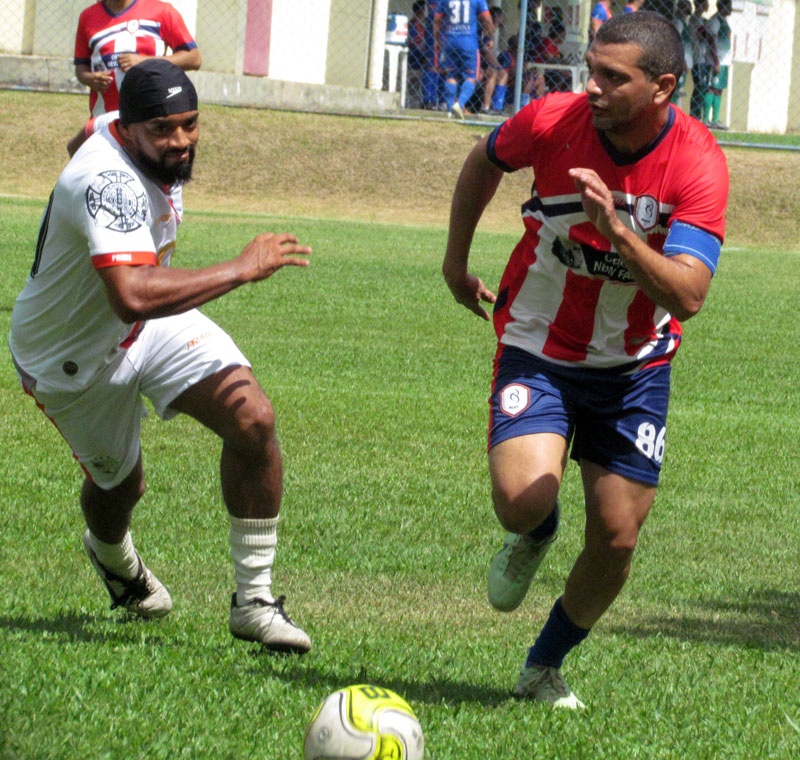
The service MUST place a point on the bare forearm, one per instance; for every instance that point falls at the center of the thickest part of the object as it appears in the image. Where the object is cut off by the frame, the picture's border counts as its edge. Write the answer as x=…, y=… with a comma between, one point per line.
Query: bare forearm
x=153, y=292
x=188, y=60
x=148, y=292
x=476, y=186
x=678, y=284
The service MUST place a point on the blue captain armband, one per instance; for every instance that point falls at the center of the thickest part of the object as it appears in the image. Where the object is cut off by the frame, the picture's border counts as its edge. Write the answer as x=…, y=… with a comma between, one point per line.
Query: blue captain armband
x=691, y=240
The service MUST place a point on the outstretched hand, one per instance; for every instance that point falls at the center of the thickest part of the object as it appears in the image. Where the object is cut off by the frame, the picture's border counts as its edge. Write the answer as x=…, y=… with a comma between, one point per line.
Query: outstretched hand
x=469, y=291
x=267, y=253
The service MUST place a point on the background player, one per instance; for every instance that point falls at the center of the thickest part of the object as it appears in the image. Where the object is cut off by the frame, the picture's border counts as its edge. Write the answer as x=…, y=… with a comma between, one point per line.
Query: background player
x=114, y=35
x=103, y=319
x=601, y=12
x=622, y=236
x=455, y=39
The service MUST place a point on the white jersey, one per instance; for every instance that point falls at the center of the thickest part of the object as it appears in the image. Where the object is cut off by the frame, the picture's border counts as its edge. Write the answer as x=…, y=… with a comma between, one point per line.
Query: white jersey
x=102, y=212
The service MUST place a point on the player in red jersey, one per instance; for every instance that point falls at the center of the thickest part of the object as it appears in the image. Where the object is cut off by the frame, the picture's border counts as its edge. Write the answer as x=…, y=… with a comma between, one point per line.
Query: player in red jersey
x=114, y=35
x=622, y=237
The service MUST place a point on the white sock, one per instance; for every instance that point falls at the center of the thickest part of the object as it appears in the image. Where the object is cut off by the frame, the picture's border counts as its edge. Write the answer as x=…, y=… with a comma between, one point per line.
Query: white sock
x=253, y=552
x=120, y=559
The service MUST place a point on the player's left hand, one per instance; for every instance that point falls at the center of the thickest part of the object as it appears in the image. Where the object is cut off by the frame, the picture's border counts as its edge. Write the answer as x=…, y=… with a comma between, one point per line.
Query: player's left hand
x=126, y=60
x=597, y=201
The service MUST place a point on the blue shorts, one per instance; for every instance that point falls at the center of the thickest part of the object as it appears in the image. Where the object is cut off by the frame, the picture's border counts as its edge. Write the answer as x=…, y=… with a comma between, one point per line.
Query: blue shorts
x=460, y=60
x=616, y=421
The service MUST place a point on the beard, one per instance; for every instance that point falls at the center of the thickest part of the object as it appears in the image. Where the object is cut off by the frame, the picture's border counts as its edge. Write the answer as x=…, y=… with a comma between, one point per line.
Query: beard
x=164, y=174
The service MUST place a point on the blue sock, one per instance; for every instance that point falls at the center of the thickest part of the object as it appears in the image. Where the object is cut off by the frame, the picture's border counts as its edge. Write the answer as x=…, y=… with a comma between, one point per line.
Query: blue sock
x=467, y=88
x=557, y=639
x=430, y=87
x=450, y=90
x=547, y=528
x=499, y=97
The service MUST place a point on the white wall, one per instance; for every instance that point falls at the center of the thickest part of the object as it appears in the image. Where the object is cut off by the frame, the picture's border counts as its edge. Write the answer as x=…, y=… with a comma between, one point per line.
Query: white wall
x=299, y=40
x=13, y=36
x=771, y=79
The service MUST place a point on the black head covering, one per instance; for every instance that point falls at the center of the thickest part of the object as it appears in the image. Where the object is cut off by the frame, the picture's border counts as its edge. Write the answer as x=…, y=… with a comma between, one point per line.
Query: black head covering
x=155, y=87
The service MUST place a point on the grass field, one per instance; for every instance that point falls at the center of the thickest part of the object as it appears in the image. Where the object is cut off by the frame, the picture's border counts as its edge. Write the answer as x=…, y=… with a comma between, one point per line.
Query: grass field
x=380, y=382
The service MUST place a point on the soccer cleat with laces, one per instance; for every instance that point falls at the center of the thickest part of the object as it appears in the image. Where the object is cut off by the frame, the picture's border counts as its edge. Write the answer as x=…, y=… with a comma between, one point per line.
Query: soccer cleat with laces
x=143, y=595
x=268, y=624
x=514, y=566
x=545, y=684
x=457, y=110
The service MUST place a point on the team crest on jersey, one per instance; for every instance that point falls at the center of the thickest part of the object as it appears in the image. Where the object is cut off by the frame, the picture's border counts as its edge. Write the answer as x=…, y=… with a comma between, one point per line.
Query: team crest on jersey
x=514, y=399
x=570, y=254
x=133, y=26
x=645, y=211
x=113, y=202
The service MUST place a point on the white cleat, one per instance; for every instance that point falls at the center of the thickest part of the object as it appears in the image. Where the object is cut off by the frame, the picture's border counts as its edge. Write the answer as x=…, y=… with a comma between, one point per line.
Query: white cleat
x=143, y=595
x=545, y=684
x=457, y=110
x=267, y=623
x=513, y=568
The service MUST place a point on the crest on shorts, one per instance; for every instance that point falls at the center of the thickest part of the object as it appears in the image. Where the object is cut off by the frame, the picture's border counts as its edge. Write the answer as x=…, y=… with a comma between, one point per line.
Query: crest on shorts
x=645, y=211
x=514, y=399
x=113, y=201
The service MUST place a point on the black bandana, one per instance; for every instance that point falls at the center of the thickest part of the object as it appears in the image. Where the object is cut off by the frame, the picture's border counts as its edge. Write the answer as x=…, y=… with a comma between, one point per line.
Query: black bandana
x=155, y=87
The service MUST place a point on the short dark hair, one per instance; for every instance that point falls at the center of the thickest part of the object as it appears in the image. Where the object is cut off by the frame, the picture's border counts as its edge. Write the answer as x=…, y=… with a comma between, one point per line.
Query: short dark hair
x=418, y=6
x=660, y=43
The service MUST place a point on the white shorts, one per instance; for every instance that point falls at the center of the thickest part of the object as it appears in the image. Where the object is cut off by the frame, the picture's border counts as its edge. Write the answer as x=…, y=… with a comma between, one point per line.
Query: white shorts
x=102, y=423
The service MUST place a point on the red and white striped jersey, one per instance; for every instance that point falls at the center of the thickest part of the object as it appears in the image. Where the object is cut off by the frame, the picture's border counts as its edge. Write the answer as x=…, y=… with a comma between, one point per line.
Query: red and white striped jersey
x=102, y=212
x=148, y=27
x=565, y=295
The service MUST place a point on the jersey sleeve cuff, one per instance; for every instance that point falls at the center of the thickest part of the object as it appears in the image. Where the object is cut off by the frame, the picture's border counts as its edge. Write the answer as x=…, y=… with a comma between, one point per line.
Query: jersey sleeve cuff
x=128, y=259
x=492, y=155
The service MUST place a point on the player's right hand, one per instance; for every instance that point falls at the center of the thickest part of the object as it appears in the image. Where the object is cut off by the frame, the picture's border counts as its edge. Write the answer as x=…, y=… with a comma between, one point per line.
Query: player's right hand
x=469, y=291
x=267, y=253
x=99, y=81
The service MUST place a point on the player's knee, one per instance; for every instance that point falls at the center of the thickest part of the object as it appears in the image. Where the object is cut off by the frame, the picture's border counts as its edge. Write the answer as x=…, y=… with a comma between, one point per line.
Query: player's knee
x=522, y=510
x=615, y=546
x=255, y=431
x=124, y=495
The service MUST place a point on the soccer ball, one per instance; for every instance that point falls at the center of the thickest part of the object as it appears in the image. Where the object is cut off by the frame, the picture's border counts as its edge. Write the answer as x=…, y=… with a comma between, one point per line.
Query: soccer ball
x=364, y=722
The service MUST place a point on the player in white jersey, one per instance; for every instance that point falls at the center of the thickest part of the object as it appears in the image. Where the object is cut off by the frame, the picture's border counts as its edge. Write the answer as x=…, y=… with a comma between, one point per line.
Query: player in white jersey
x=103, y=320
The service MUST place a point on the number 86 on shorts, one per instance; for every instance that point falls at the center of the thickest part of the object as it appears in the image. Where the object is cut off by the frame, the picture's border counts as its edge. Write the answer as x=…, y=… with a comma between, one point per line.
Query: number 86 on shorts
x=651, y=443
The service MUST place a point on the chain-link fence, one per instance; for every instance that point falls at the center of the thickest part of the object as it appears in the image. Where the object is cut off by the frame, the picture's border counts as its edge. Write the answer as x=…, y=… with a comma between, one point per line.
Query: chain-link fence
x=378, y=56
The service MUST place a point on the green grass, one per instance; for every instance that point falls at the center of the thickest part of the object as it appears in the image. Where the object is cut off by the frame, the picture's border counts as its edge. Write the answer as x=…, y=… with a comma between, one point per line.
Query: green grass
x=380, y=381
x=763, y=139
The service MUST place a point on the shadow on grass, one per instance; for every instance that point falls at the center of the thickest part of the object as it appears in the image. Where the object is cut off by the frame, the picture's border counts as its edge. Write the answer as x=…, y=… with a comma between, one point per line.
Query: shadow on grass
x=433, y=690
x=70, y=627
x=766, y=619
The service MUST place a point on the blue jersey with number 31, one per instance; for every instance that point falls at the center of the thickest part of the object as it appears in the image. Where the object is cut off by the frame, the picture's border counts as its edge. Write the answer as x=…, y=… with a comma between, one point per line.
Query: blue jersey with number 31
x=460, y=25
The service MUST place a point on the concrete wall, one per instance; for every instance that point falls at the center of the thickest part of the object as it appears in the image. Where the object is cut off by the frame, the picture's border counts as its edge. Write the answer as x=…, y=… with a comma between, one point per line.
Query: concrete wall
x=772, y=75
x=57, y=75
x=348, y=47
x=793, y=119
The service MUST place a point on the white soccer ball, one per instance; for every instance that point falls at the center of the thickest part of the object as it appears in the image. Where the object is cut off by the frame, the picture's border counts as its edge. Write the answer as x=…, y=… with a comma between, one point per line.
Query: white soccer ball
x=364, y=722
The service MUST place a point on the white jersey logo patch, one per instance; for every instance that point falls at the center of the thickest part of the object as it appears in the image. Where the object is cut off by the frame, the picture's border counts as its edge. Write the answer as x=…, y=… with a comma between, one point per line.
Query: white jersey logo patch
x=514, y=399
x=646, y=212
x=113, y=202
